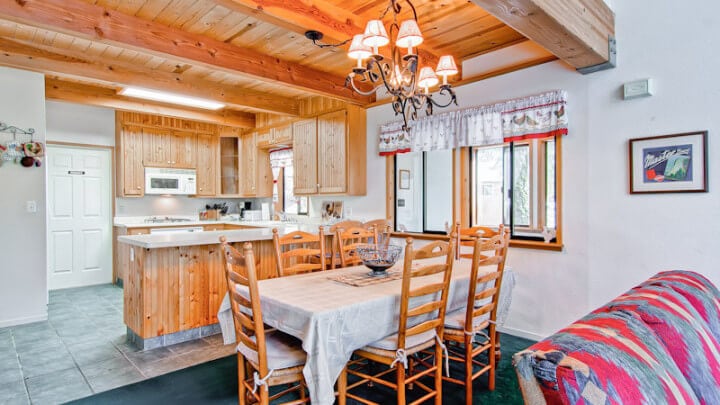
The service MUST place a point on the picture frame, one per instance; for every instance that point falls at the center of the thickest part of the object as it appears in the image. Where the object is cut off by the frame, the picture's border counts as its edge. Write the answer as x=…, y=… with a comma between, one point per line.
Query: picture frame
x=675, y=163
x=404, y=181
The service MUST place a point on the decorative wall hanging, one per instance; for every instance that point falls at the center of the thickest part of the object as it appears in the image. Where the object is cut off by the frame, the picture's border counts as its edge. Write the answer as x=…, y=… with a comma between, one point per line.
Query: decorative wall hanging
x=23, y=151
x=669, y=163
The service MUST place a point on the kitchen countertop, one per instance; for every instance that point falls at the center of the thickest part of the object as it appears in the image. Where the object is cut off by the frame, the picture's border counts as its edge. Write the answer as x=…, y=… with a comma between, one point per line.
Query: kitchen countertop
x=140, y=223
x=165, y=240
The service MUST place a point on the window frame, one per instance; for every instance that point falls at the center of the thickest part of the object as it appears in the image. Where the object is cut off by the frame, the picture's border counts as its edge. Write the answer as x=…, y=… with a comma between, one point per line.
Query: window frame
x=462, y=183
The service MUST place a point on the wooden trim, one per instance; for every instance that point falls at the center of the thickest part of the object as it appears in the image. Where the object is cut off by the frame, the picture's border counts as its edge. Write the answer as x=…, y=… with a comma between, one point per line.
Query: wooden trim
x=465, y=193
x=558, y=191
x=390, y=189
x=423, y=236
x=78, y=93
x=96, y=23
x=577, y=31
x=71, y=63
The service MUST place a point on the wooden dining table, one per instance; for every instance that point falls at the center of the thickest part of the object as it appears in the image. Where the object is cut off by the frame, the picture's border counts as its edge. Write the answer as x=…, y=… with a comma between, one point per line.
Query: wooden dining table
x=333, y=319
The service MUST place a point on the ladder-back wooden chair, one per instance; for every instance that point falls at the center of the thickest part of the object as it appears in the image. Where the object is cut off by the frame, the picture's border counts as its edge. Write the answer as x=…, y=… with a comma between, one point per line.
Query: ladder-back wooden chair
x=272, y=357
x=299, y=252
x=471, y=331
x=426, y=301
x=332, y=254
x=349, y=240
x=466, y=237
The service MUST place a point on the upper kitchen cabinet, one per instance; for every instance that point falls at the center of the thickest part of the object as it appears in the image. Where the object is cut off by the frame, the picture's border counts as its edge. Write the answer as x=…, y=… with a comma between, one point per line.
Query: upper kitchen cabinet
x=256, y=178
x=167, y=148
x=229, y=163
x=130, y=171
x=329, y=153
x=207, y=163
x=305, y=156
x=281, y=136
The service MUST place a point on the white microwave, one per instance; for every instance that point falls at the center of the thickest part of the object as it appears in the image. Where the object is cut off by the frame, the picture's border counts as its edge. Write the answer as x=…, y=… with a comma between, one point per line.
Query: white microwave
x=170, y=181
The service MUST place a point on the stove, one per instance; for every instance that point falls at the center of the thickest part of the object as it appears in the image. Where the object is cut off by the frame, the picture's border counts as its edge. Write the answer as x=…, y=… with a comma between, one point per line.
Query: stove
x=165, y=220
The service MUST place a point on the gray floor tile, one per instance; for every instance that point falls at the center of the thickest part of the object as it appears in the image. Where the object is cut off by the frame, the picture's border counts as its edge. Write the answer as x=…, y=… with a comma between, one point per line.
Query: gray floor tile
x=185, y=347
x=93, y=352
x=149, y=356
x=45, y=361
x=107, y=367
x=107, y=382
x=59, y=387
x=13, y=393
x=10, y=374
x=164, y=366
x=25, y=346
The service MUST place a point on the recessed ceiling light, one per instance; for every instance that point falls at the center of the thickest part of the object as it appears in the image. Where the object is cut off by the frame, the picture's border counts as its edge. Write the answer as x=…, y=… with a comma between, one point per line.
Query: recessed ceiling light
x=164, y=97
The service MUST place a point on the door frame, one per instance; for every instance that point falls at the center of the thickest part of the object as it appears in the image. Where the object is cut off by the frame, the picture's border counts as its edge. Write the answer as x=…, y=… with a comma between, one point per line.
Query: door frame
x=111, y=196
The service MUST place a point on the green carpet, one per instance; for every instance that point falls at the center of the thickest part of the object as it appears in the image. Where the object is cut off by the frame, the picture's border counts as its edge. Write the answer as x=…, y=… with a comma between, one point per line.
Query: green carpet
x=215, y=382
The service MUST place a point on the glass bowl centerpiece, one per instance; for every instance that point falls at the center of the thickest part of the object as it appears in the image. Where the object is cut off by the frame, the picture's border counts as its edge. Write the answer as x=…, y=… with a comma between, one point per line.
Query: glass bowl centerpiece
x=379, y=257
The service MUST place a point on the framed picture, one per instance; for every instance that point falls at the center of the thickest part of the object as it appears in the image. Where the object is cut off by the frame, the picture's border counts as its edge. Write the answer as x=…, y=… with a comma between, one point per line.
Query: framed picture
x=404, y=179
x=669, y=163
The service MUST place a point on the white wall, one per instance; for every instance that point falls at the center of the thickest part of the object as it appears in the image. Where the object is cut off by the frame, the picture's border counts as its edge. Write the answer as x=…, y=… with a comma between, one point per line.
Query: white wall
x=23, y=290
x=83, y=124
x=614, y=240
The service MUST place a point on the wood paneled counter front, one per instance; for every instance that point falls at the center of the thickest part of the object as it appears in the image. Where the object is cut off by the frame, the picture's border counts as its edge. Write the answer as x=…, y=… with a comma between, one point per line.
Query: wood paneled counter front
x=175, y=282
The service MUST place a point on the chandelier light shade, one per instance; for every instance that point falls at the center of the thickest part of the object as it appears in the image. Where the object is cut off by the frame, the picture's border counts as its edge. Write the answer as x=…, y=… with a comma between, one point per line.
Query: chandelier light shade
x=403, y=77
x=375, y=34
x=409, y=35
x=358, y=50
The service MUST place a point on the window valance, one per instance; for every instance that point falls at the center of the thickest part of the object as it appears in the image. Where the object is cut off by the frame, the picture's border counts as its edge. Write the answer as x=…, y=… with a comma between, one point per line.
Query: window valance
x=536, y=116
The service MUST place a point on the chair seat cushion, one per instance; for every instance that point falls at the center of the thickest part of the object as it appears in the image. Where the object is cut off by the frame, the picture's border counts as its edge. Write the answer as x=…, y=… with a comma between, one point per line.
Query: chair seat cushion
x=456, y=320
x=390, y=342
x=283, y=351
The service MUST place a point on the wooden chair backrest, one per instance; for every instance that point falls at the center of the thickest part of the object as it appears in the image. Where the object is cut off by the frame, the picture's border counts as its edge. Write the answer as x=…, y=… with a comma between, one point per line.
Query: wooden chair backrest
x=468, y=236
x=349, y=240
x=334, y=252
x=383, y=228
x=299, y=252
x=484, y=289
x=433, y=297
x=241, y=272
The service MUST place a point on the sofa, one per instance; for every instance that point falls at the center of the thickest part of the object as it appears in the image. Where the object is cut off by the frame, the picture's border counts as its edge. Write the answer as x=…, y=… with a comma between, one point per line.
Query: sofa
x=658, y=343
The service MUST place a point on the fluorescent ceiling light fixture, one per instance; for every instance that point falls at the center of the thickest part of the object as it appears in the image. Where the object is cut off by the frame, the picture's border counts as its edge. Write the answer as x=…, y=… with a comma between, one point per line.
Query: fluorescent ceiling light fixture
x=164, y=97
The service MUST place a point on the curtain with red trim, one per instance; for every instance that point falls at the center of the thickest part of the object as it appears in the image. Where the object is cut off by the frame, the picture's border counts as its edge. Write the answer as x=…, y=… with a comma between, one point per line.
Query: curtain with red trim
x=536, y=116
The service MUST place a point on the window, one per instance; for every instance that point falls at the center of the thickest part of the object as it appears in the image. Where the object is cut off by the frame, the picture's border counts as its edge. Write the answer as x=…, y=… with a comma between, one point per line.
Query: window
x=283, y=198
x=514, y=184
x=423, y=191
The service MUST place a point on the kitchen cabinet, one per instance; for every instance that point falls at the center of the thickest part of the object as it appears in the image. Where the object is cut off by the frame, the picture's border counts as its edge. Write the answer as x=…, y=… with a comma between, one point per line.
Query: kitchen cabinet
x=230, y=165
x=305, y=156
x=167, y=148
x=248, y=178
x=329, y=153
x=130, y=170
x=207, y=163
x=332, y=153
x=255, y=173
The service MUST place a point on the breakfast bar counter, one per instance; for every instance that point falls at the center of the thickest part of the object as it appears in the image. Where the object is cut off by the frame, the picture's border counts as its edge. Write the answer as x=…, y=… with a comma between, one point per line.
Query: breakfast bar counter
x=174, y=282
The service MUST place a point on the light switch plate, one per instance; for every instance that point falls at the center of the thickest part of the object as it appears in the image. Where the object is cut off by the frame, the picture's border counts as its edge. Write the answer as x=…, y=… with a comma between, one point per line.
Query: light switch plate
x=31, y=206
x=638, y=88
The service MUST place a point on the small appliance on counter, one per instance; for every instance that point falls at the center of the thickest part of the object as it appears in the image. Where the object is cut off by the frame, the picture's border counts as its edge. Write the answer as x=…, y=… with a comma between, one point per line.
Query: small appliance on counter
x=215, y=211
x=252, y=215
x=160, y=180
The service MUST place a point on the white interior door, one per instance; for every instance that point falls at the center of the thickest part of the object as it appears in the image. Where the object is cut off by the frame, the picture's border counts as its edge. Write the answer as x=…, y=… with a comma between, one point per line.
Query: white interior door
x=79, y=216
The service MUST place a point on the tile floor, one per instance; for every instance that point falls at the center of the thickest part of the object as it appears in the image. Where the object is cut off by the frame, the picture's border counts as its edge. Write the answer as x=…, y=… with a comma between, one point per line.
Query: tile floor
x=81, y=350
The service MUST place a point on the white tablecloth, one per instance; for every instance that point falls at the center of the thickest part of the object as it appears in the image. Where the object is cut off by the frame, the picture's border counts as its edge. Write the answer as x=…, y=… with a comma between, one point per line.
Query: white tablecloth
x=334, y=319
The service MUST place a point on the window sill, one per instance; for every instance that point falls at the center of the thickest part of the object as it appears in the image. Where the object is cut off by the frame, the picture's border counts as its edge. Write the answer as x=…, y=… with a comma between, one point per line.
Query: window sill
x=522, y=244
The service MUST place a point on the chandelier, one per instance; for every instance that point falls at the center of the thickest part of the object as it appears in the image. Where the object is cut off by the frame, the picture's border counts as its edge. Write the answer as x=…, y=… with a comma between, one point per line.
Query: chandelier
x=398, y=74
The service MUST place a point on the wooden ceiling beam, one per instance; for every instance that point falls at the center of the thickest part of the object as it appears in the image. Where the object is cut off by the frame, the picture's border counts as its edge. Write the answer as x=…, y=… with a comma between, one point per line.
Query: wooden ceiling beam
x=336, y=24
x=580, y=32
x=61, y=90
x=49, y=61
x=79, y=18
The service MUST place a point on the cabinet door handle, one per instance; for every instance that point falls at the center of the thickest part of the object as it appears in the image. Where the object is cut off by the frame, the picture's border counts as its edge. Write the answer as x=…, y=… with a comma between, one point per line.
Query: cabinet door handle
x=173, y=162
x=168, y=162
x=139, y=188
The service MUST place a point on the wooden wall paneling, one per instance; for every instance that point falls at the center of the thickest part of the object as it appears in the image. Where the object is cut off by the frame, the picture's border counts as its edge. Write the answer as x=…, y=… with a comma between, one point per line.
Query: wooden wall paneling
x=390, y=189
x=332, y=153
x=305, y=156
x=217, y=282
x=165, y=122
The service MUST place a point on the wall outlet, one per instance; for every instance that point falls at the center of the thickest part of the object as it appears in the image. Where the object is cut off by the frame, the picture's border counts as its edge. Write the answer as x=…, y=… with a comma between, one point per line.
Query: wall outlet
x=638, y=88
x=31, y=206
